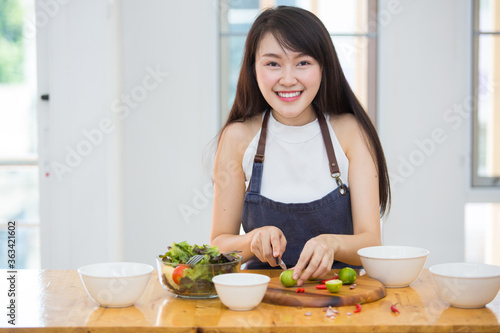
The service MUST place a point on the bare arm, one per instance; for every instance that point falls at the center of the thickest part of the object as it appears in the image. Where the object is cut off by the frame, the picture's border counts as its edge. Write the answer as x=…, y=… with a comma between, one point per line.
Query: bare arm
x=364, y=187
x=320, y=251
x=229, y=192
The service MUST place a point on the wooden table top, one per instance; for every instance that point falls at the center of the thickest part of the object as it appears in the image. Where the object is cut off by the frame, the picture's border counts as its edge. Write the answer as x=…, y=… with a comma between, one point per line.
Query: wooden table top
x=55, y=301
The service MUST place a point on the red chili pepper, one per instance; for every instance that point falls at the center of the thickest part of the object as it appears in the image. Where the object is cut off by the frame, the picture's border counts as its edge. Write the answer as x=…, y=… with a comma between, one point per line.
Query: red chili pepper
x=320, y=286
x=300, y=290
x=303, y=290
x=358, y=308
x=394, y=309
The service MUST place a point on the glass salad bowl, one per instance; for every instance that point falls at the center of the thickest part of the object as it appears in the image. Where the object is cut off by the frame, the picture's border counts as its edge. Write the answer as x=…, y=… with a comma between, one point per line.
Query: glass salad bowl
x=194, y=281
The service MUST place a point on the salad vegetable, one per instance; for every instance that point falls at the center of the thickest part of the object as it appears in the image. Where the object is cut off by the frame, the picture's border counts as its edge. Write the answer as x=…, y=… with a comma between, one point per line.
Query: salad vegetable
x=178, y=273
x=195, y=279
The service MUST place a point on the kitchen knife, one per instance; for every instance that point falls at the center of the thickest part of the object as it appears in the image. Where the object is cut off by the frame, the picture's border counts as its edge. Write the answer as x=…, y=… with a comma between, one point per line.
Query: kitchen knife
x=281, y=263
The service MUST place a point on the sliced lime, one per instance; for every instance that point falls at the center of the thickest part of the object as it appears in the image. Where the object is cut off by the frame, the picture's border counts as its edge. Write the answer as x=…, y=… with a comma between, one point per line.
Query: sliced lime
x=333, y=286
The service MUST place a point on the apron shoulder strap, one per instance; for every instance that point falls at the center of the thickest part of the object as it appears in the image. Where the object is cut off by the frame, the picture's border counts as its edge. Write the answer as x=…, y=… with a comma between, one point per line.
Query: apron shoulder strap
x=261, y=148
x=334, y=166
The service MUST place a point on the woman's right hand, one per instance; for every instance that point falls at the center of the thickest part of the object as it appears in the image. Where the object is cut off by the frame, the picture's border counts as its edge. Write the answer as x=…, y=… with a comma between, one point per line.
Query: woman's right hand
x=267, y=244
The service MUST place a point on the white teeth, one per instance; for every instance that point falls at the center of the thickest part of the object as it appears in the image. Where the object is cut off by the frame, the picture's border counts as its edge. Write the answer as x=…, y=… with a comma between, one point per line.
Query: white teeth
x=288, y=95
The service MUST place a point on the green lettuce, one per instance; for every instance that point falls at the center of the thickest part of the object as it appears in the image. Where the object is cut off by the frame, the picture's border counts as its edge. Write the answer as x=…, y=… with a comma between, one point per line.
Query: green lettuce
x=180, y=253
x=198, y=278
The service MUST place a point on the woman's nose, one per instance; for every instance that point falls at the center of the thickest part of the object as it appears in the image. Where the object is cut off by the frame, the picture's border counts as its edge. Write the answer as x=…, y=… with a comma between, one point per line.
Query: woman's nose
x=288, y=77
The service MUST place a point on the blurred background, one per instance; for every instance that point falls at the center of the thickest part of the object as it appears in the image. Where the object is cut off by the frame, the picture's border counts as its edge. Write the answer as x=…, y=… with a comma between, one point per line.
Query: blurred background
x=109, y=111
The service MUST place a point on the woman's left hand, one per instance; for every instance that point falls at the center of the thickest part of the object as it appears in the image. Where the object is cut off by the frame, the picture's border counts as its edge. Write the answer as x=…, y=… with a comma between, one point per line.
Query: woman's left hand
x=318, y=256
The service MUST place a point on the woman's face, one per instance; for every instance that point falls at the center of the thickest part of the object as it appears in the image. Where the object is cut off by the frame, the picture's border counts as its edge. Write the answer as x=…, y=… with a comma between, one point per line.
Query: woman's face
x=288, y=80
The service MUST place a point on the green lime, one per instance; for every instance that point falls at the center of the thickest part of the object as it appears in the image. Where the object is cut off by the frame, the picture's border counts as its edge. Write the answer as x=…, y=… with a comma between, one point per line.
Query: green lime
x=333, y=286
x=347, y=275
x=286, y=278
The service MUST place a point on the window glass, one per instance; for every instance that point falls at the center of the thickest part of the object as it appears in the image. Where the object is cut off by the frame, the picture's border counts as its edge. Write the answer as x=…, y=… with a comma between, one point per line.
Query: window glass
x=488, y=105
x=353, y=57
x=19, y=194
x=286, y=2
x=340, y=16
x=236, y=45
x=482, y=231
x=238, y=15
x=17, y=83
x=487, y=15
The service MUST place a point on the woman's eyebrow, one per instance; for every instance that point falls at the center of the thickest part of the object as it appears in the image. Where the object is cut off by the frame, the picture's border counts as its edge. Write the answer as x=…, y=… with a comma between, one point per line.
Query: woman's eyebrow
x=274, y=55
x=271, y=55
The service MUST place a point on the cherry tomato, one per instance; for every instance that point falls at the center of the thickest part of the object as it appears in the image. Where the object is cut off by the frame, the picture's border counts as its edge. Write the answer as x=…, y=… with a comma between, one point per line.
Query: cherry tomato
x=178, y=273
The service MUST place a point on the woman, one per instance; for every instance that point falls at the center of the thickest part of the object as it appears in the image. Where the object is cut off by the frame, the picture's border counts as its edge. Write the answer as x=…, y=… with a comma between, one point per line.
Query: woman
x=299, y=163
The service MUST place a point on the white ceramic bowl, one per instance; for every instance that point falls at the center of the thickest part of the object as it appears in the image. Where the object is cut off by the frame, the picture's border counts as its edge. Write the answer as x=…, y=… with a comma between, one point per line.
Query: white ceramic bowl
x=465, y=285
x=241, y=291
x=394, y=266
x=115, y=284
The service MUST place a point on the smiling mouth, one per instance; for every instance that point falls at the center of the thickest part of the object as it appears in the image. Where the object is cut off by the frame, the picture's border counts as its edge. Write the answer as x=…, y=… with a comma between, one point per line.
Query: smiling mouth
x=288, y=94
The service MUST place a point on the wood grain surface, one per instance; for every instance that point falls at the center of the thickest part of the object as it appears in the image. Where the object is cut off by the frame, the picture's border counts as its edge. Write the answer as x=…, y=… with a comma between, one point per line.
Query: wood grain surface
x=53, y=301
x=367, y=290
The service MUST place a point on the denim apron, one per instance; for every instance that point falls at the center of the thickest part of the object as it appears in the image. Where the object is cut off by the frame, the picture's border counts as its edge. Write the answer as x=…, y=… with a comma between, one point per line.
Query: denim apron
x=299, y=222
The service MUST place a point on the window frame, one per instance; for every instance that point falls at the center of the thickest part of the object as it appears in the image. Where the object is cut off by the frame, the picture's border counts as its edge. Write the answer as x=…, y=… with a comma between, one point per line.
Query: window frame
x=476, y=180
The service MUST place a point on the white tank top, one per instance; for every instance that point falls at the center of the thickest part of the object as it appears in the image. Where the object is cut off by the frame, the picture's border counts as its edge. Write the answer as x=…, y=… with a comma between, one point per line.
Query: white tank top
x=296, y=164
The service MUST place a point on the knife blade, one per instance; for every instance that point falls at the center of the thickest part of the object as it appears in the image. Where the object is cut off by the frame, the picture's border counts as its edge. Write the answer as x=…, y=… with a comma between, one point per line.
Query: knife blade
x=281, y=263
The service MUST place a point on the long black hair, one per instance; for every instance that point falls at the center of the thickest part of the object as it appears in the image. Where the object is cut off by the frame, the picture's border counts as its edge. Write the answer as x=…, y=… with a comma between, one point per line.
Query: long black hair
x=299, y=30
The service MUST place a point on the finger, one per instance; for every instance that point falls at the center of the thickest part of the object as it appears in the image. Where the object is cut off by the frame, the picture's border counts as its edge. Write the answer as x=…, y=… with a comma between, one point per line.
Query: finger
x=305, y=255
x=276, y=244
x=311, y=268
x=255, y=246
x=267, y=252
x=323, y=268
x=321, y=263
x=328, y=265
x=283, y=243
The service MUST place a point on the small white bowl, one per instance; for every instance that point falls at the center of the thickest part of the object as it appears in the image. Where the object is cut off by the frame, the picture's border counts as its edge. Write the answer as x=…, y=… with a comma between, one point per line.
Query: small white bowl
x=241, y=291
x=115, y=284
x=394, y=266
x=466, y=285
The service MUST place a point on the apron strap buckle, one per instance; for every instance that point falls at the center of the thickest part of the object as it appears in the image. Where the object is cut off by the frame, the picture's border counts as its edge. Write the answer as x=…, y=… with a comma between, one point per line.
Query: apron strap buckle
x=340, y=184
x=259, y=158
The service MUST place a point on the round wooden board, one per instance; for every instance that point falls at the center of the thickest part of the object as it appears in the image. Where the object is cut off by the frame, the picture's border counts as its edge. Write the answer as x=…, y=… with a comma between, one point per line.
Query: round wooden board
x=367, y=290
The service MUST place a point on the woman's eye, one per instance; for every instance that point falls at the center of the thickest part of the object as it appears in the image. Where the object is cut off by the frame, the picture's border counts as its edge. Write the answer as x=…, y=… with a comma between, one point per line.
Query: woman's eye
x=272, y=64
x=304, y=63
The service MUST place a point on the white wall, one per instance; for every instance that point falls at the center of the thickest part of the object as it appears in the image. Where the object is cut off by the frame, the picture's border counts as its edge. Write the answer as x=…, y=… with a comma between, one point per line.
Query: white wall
x=164, y=138
x=121, y=202
x=424, y=72
x=97, y=58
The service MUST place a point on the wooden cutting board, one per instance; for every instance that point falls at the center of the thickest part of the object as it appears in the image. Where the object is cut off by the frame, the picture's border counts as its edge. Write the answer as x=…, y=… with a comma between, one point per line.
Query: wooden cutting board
x=367, y=290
